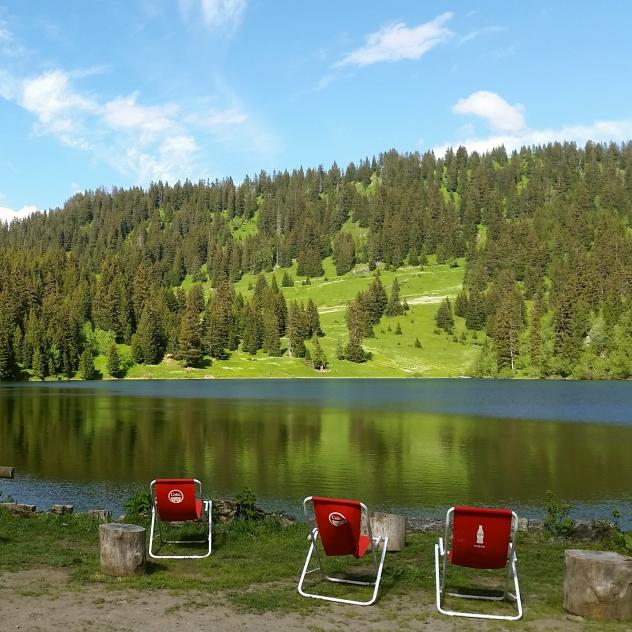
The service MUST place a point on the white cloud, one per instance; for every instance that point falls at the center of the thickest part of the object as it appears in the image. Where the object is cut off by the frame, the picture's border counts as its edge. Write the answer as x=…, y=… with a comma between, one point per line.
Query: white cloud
x=57, y=107
x=216, y=12
x=125, y=114
x=394, y=42
x=142, y=141
x=231, y=116
x=510, y=129
x=8, y=214
x=483, y=31
x=501, y=116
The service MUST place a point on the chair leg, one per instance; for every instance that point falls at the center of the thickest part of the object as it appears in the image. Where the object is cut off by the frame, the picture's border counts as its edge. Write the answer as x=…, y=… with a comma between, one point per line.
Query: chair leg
x=156, y=521
x=376, y=583
x=440, y=589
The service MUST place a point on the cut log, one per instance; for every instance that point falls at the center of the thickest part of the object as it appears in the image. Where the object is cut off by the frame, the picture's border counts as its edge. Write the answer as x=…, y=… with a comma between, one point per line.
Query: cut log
x=62, y=509
x=19, y=508
x=7, y=472
x=122, y=548
x=100, y=515
x=389, y=525
x=598, y=584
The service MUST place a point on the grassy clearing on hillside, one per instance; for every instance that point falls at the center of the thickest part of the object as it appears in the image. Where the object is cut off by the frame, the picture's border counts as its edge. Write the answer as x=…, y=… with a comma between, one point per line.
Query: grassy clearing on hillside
x=255, y=568
x=440, y=355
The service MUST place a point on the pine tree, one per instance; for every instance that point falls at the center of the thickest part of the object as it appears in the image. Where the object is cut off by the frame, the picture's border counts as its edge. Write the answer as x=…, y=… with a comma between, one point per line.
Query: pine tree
x=296, y=331
x=417, y=343
x=150, y=336
x=394, y=306
x=287, y=281
x=353, y=350
x=313, y=320
x=252, y=330
x=319, y=359
x=114, y=361
x=189, y=352
x=535, y=335
x=8, y=365
x=218, y=321
x=398, y=329
x=443, y=317
x=271, y=341
x=39, y=364
x=86, y=365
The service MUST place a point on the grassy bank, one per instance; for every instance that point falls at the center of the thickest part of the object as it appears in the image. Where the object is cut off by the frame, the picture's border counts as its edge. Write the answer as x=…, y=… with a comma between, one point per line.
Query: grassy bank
x=254, y=568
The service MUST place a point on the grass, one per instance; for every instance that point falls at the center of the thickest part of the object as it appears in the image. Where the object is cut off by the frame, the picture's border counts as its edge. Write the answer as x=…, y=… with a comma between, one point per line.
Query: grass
x=255, y=567
x=440, y=355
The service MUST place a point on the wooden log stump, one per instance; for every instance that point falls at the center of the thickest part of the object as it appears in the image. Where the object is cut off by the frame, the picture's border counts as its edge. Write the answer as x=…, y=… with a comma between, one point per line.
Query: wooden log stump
x=598, y=584
x=7, y=472
x=122, y=548
x=391, y=525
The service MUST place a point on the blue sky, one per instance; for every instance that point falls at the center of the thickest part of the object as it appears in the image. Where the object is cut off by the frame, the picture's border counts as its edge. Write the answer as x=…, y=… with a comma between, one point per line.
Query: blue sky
x=122, y=92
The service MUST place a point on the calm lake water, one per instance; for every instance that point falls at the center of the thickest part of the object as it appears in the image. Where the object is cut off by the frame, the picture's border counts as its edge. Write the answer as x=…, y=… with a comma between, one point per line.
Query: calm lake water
x=419, y=446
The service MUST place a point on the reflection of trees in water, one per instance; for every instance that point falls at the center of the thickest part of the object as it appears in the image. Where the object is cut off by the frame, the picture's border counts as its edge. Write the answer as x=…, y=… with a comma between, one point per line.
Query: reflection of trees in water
x=287, y=450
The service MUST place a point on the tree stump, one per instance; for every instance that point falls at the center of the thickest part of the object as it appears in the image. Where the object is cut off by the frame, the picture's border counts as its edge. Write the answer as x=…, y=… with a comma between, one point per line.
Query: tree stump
x=598, y=584
x=391, y=525
x=7, y=472
x=122, y=549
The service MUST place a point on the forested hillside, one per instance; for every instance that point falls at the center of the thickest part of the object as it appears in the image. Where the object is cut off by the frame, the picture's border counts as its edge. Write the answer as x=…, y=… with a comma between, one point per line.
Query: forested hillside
x=523, y=260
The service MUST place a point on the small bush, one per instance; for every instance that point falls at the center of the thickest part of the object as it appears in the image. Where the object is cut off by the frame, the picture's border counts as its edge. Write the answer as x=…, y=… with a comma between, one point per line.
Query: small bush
x=556, y=521
x=138, y=504
x=247, y=505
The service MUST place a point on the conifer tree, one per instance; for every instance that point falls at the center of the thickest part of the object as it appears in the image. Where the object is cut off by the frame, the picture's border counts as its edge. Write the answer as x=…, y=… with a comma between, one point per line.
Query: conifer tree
x=8, y=365
x=114, y=361
x=287, y=281
x=443, y=317
x=319, y=359
x=39, y=364
x=313, y=320
x=252, y=330
x=189, y=352
x=394, y=306
x=218, y=321
x=353, y=350
x=86, y=365
x=296, y=331
x=150, y=336
x=271, y=341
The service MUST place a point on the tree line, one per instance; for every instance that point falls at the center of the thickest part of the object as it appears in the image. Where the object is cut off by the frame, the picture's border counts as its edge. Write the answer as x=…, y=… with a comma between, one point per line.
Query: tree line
x=544, y=232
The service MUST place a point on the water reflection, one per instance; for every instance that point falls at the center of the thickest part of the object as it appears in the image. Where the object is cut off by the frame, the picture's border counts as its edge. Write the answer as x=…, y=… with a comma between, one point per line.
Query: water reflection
x=287, y=448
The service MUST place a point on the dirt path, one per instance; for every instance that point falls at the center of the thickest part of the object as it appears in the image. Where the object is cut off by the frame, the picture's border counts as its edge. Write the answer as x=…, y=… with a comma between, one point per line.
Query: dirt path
x=44, y=601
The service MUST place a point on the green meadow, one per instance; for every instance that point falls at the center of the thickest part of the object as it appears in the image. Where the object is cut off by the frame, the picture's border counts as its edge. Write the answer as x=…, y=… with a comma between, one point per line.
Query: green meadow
x=393, y=355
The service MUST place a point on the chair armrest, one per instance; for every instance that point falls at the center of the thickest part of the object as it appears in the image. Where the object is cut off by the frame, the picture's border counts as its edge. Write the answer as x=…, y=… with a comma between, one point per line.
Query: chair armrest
x=441, y=548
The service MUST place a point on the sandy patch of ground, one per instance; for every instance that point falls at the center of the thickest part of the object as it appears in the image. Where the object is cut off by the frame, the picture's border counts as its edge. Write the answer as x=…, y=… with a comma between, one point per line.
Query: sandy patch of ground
x=42, y=600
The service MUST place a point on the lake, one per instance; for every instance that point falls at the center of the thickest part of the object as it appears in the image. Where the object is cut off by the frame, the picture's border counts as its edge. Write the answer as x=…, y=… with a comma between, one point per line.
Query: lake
x=418, y=446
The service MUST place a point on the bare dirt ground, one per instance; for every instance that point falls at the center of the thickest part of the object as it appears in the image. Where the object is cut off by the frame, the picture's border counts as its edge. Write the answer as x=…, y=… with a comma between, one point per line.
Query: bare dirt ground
x=44, y=601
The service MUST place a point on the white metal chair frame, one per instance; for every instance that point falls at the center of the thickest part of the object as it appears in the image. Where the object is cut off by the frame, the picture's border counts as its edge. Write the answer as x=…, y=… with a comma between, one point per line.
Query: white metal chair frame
x=374, y=542
x=440, y=551
x=207, y=507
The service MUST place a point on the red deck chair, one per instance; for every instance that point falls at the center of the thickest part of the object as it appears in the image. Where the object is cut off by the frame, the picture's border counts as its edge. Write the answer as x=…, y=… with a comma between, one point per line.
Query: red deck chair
x=481, y=538
x=178, y=500
x=339, y=525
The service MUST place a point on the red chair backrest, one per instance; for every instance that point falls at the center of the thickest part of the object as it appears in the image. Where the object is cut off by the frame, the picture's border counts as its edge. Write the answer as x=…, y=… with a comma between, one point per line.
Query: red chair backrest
x=339, y=524
x=175, y=499
x=481, y=537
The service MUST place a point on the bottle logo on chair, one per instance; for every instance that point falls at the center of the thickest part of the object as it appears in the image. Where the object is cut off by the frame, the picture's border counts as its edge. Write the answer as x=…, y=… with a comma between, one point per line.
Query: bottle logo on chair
x=337, y=519
x=175, y=496
x=480, y=537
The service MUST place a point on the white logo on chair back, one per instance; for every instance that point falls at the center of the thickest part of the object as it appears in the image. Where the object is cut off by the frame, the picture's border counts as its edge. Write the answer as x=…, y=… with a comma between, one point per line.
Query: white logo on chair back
x=175, y=496
x=480, y=537
x=337, y=519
